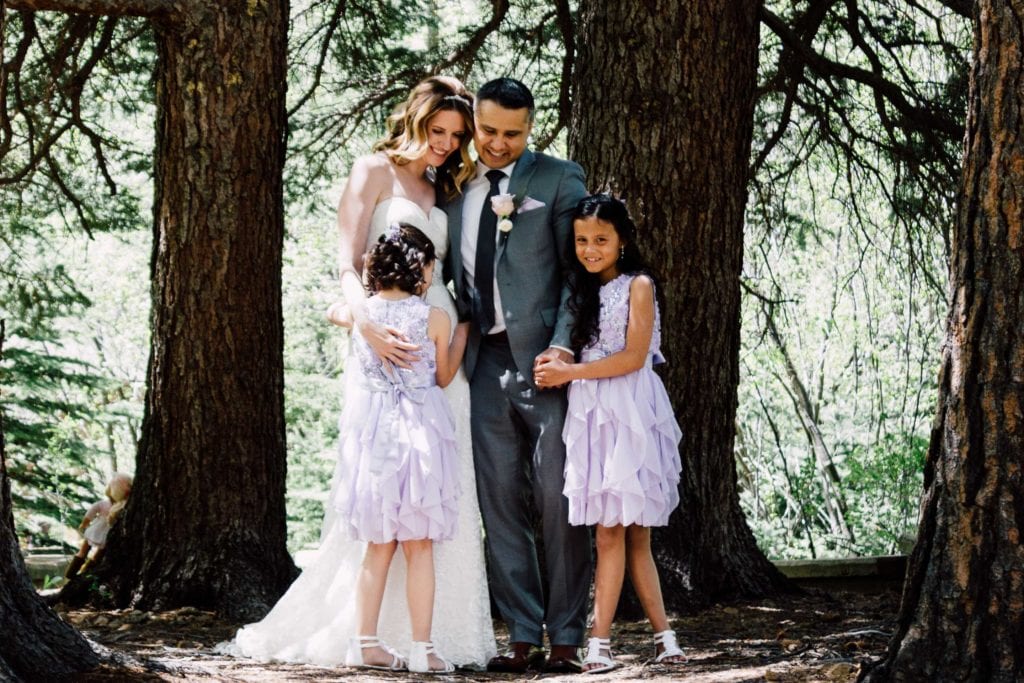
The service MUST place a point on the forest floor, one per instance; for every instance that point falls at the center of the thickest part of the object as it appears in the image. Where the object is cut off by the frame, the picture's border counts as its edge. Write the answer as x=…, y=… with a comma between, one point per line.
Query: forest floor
x=820, y=636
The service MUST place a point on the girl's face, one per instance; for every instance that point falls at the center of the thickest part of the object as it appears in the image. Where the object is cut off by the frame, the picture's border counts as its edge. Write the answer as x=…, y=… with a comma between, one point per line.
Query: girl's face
x=598, y=247
x=446, y=131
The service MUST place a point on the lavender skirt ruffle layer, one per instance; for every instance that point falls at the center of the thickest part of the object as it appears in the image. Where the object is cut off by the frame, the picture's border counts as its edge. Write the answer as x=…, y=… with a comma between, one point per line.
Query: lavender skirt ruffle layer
x=399, y=467
x=622, y=451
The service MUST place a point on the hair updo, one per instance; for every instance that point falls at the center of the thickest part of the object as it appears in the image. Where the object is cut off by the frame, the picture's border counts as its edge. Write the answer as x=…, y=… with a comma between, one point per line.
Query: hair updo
x=398, y=259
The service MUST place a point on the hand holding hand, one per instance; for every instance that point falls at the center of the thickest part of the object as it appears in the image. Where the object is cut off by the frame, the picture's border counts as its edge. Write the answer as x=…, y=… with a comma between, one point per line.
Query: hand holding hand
x=553, y=353
x=549, y=373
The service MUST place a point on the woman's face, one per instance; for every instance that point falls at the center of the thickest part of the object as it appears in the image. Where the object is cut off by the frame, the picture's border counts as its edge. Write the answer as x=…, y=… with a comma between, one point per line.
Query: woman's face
x=446, y=131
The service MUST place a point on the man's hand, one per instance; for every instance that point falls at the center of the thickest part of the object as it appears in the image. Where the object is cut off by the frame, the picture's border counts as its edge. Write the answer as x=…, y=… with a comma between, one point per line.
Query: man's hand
x=553, y=353
x=389, y=344
x=551, y=373
x=550, y=368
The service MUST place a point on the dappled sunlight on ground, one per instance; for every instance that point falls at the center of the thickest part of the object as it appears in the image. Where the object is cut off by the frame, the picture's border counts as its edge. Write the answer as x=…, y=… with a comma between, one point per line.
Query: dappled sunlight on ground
x=819, y=637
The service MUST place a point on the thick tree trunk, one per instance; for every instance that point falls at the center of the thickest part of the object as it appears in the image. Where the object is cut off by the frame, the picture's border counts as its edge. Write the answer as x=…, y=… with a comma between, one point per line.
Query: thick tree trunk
x=962, y=615
x=36, y=644
x=205, y=524
x=663, y=115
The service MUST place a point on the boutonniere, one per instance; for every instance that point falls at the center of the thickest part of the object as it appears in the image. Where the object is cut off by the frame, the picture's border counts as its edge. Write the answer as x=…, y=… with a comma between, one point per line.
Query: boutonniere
x=503, y=206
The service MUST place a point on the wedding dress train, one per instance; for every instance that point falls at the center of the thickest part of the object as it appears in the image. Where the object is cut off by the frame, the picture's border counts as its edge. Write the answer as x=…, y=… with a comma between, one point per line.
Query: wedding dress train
x=314, y=619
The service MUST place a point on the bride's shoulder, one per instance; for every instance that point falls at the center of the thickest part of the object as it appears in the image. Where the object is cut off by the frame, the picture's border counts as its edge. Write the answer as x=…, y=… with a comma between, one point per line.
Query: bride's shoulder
x=375, y=166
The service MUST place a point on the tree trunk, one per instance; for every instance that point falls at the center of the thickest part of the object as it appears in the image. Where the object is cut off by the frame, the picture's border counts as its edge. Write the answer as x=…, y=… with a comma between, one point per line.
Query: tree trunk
x=205, y=524
x=36, y=644
x=962, y=615
x=663, y=115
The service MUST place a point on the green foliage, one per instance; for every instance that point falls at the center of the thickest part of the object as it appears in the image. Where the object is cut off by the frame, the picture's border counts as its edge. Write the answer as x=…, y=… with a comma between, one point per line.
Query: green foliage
x=850, y=203
x=47, y=391
x=886, y=483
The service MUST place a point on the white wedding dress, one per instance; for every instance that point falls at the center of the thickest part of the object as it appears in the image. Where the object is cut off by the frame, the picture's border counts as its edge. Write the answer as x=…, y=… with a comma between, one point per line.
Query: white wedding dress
x=314, y=619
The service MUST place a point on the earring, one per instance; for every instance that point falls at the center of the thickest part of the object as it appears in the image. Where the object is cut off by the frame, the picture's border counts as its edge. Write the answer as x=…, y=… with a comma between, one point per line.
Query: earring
x=622, y=251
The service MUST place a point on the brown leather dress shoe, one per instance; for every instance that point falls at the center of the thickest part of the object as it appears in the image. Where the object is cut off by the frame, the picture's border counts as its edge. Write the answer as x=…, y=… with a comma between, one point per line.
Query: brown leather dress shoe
x=520, y=658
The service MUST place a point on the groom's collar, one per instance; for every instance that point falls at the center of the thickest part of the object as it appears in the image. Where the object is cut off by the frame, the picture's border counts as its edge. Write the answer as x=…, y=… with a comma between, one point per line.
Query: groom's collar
x=482, y=169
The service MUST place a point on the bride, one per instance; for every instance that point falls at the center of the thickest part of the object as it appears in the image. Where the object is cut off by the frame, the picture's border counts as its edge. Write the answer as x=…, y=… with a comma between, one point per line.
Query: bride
x=312, y=623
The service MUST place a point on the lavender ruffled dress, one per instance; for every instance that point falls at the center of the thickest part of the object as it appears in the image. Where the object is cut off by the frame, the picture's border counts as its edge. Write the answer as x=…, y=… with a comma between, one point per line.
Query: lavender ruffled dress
x=621, y=438
x=398, y=465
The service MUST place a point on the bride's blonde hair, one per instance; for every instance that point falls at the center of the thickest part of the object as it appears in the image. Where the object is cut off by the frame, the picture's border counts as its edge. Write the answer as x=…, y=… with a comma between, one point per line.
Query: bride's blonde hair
x=407, y=135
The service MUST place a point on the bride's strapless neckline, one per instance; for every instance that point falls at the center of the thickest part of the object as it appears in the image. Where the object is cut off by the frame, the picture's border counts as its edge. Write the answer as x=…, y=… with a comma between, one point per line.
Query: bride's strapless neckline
x=396, y=197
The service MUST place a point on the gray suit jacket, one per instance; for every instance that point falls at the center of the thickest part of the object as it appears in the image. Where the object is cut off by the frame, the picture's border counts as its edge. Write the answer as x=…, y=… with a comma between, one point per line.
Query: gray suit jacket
x=531, y=261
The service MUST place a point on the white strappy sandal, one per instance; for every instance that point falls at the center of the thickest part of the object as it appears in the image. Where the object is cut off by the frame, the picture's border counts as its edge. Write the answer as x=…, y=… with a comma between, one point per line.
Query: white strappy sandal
x=354, y=656
x=667, y=640
x=419, y=659
x=595, y=646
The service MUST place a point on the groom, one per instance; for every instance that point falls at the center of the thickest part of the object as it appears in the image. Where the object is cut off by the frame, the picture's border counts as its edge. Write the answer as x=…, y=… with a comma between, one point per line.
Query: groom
x=510, y=283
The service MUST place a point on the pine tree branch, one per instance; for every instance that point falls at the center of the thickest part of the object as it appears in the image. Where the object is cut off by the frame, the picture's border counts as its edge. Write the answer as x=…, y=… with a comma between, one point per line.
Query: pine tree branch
x=919, y=117
x=465, y=54
x=123, y=8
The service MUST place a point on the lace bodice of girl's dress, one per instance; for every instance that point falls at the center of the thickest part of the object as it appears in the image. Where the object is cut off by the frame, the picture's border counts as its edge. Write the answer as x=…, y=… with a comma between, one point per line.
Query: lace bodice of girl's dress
x=614, y=319
x=409, y=316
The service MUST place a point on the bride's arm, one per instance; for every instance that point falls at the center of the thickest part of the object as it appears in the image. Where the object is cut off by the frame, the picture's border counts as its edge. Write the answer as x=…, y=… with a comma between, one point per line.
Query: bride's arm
x=366, y=182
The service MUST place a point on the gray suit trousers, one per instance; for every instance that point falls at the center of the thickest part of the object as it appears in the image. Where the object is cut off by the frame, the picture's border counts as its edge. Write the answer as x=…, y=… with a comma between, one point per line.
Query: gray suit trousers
x=518, y=450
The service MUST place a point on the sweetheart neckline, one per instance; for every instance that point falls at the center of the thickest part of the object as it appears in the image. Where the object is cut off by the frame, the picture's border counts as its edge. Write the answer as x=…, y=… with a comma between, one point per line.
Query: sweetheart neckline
x=425, y=214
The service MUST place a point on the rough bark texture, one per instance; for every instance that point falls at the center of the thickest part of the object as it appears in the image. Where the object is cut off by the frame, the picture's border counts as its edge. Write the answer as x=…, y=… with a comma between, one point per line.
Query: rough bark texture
x=36, y=644
x=962, y=615
x=663, y=115
x=205, y=524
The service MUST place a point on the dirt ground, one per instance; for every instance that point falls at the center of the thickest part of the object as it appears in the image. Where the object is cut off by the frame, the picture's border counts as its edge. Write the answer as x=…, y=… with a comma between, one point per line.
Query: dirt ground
x=823, y=636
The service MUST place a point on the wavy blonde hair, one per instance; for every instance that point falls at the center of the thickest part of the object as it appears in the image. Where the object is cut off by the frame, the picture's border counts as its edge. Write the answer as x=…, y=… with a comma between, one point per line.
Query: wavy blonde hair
x=407, y=134
x=118, y=490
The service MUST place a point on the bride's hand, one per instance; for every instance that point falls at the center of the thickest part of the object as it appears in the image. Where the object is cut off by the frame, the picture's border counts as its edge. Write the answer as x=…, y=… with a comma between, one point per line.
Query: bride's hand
x=389, y=344
x=339, y=314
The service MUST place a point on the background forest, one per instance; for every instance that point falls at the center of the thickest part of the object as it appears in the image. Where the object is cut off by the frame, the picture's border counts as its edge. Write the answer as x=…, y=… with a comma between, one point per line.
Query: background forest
x=854, y=166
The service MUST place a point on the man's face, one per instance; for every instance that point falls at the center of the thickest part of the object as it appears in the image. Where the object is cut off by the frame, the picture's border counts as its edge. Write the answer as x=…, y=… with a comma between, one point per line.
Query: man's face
x=501, y=134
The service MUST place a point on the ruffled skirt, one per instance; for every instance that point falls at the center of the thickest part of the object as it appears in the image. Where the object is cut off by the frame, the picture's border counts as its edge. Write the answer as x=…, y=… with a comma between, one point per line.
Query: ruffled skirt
x=622, y=451
x=399, y=477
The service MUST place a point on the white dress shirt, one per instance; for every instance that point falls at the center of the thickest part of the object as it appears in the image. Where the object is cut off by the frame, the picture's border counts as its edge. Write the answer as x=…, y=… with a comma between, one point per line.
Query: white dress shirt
x=476, y=194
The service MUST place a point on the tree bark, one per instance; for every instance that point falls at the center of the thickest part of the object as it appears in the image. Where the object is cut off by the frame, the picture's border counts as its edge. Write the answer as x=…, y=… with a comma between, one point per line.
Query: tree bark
x=962, y=614
x=36, y=644
x=663, y=115
x=205, y=524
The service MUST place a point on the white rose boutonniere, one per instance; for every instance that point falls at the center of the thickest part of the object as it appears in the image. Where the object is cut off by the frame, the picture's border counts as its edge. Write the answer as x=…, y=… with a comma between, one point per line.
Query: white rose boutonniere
x=504, y=206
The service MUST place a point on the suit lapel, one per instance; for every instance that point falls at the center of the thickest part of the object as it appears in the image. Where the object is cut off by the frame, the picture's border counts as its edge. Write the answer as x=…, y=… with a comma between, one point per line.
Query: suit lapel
x=454, y=210
x=517, y=185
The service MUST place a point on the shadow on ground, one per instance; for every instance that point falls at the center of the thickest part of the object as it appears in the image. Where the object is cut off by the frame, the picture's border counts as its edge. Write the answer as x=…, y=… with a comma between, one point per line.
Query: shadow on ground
x=818, y=637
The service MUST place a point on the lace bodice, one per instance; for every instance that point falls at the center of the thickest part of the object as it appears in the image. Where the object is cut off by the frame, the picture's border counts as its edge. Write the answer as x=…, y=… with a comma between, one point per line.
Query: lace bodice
x=613, y=320
x=409, y=316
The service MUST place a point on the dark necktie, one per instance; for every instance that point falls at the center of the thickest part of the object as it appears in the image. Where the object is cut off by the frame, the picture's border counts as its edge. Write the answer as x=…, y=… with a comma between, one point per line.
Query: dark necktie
x=483, y=275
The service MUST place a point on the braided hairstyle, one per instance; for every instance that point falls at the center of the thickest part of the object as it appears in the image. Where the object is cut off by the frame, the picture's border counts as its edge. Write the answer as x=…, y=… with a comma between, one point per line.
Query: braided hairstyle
x=584, y=287
x=398, y=259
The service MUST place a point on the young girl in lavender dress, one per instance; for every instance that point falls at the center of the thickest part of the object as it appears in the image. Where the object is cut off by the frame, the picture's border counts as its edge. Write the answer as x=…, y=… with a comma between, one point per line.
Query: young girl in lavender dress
x=398, y=468
x=622, y=459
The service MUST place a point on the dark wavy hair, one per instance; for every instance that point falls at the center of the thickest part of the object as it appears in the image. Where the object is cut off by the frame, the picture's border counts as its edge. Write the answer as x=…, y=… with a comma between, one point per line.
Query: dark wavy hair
x=398, y=259
x=584, y=287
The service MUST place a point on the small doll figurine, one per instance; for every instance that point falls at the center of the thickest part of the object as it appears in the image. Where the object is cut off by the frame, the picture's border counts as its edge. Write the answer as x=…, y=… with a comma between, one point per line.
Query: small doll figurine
x=97, y=522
